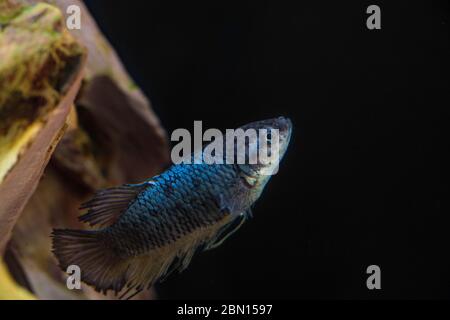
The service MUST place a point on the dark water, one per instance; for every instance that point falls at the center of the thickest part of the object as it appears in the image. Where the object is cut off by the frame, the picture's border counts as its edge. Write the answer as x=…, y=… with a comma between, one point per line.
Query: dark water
x=363, y=182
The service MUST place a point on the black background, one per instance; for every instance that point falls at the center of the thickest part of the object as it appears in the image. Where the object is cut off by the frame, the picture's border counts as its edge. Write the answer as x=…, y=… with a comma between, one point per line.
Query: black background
x=363, y=181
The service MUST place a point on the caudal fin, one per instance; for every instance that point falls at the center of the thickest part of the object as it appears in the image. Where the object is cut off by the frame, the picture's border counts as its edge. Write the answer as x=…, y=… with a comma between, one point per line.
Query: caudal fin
x=87, y=249
x=103, y=269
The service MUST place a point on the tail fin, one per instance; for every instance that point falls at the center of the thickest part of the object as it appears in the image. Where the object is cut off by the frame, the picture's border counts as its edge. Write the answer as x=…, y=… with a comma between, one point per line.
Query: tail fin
x=87, y=249
x=105, y=270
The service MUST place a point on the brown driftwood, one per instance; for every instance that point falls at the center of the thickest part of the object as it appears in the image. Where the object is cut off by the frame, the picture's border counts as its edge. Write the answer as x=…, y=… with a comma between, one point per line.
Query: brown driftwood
x=111, y=137
x=22, y=176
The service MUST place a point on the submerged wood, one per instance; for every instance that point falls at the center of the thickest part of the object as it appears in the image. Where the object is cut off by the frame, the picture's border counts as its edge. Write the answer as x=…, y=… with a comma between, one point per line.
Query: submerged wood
x=111, y=137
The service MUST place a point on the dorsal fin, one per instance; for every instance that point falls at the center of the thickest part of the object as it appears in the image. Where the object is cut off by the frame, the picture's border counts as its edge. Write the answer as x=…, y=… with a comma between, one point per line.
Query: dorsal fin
x=108, y=204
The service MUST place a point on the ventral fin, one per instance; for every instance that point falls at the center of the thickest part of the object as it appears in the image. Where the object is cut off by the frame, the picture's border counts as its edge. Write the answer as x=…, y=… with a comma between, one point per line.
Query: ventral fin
x=107, y=205
x=225, y=232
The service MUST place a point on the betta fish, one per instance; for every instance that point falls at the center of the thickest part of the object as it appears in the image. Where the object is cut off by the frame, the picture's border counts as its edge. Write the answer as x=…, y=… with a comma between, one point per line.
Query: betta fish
x=145, y=231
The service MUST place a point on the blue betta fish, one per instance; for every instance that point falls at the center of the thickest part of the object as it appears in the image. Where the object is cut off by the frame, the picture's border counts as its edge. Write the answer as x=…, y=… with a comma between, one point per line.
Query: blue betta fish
x=147, y=230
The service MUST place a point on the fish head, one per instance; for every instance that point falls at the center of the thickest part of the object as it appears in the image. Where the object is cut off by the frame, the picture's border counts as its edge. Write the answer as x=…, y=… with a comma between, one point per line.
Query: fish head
x=265, y=150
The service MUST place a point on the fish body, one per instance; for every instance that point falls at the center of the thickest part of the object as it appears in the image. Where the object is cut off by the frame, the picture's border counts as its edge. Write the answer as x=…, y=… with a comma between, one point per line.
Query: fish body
x=181, y=200
x=149, y=229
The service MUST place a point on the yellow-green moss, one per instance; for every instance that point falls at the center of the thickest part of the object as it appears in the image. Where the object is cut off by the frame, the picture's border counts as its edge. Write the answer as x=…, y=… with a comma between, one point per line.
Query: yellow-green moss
x=37, y=56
